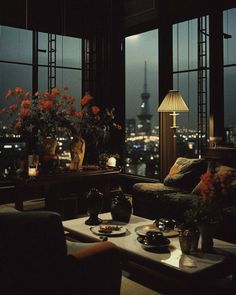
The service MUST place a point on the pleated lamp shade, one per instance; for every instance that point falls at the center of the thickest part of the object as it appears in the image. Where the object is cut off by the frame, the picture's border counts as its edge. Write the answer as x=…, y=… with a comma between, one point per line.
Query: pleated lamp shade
x=173, y=102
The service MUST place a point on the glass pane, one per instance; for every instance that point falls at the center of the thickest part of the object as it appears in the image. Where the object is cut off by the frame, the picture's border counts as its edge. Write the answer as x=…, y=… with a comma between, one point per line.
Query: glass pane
x=12, y=76
x=15, y=44
x=230, y=36
x=185, y=45
x=142, y=141
x=230, y=105
x=68, y=51
x=187, y=131
x=71, y=79
x=43, y=48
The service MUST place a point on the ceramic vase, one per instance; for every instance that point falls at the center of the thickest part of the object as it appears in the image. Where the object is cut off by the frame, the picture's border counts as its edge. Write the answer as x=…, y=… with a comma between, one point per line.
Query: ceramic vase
x=94, y=200
x=121, y=207
x=77, y=153
x=207, y=231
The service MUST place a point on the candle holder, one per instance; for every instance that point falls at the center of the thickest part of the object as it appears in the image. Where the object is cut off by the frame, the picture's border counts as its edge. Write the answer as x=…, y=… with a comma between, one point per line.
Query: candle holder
x=94, y=200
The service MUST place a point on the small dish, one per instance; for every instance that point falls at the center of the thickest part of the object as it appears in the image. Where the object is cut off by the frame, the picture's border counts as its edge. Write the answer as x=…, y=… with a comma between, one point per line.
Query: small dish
x=147, y=245
x=143, y=229
x=108, y=230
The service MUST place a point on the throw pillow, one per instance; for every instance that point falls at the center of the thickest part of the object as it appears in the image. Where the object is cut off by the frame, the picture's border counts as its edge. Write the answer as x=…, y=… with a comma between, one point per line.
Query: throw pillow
x=185, y=173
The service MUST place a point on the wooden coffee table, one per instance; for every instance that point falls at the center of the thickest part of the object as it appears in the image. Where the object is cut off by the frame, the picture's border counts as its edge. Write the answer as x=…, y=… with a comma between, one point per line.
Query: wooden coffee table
x=172, y=263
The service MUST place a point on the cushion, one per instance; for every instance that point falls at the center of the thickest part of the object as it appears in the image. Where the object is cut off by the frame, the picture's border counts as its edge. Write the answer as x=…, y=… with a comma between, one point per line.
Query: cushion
x=185, y=173
x=153, y=188
x=222, y=171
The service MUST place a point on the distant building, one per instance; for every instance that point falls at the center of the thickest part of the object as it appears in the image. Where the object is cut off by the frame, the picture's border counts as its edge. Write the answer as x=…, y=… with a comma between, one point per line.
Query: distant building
x=144, y=126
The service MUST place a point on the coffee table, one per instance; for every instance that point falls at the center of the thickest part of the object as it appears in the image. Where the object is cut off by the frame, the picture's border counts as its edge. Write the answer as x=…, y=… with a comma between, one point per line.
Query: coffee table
x=172, y=263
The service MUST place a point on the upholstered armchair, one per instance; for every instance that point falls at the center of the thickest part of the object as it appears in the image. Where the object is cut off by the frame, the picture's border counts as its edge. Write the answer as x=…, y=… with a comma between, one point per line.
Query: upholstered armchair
x=171, y=197
x=34, y=259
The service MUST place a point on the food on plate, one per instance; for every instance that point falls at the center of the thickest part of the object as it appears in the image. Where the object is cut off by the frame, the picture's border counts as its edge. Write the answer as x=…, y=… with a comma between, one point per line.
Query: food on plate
x=109, y=228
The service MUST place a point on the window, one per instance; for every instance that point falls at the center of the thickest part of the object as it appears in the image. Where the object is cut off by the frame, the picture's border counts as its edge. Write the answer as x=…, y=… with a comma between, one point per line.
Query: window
x=186, y=78
x=142, y=141
x=230, y=75
x=16, y=64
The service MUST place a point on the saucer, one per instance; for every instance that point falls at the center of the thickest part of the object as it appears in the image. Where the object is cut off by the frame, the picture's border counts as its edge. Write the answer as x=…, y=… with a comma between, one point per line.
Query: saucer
x=147, y=245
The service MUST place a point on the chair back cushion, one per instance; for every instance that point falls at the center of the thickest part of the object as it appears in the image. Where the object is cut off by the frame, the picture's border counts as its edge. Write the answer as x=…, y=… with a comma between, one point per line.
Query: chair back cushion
x=32, y=244
x=185, y=173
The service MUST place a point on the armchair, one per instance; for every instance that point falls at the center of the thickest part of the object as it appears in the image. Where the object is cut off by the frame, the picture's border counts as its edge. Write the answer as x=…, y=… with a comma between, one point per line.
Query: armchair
x=34, y=259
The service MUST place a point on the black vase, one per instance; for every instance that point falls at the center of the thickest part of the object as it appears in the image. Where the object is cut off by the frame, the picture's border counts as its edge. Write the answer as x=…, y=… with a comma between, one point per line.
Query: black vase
x=94, y=202
x=121, y=207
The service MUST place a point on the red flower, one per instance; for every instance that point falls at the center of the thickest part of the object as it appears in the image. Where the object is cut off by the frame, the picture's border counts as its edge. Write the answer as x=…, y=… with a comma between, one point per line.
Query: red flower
x=19, y=91
x=95, y=110
x=9, y=93
x=87, y=97
x=13, y=107
x=24, y=112
x=26, y=103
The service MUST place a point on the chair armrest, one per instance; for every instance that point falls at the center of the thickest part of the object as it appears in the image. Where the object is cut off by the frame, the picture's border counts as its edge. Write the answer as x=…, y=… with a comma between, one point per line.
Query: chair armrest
x=95, y=270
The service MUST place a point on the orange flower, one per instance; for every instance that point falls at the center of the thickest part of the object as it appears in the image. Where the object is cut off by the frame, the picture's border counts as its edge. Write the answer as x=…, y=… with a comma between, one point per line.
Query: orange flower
x=79, y=114
x=87, y=97
x=71, y=99
x=45, y=105
x=95, y=110
x=26, y=103
x=24, y=112
x=3, y=110
x=9, y=93
x=27, y=95
x=13, y=107
x=19, y=90
x=37, y=93
x=55, y=91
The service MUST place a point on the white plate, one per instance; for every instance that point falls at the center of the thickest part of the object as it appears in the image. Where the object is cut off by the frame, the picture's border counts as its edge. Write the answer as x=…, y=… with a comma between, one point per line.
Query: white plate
x=96, y=230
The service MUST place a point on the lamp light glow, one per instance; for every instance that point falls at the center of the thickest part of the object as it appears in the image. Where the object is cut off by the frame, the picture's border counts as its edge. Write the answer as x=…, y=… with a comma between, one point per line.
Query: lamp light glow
x=173, y=102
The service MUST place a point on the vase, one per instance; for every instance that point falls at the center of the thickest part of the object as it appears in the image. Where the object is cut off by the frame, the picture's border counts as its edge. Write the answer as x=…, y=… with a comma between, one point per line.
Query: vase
x=47, y=155
x=121, y=207
x=77, y=153
x=207, y=231
x=94, y=200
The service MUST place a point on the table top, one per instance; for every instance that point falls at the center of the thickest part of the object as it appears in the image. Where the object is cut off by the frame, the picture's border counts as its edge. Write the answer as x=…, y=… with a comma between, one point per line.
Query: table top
x=172, y=259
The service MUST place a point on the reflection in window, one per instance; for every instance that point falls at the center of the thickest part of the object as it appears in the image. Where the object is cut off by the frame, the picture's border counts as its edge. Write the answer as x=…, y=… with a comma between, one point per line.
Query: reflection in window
x=142, y=136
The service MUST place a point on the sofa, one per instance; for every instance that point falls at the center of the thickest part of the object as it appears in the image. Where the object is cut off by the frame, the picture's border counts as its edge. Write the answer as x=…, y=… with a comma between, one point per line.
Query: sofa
x=34, y=258
x=172, y=197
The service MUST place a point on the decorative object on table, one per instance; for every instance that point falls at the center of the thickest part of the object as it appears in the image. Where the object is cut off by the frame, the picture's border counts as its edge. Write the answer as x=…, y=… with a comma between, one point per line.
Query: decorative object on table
x=47, y=154
x=185, y=240
x=121, y=207
x=40, y=119
x=77, y=152
x=109, y=230
x=165, y=224
x=208, y=210
x=143, y=229
x=94, y=202
x=108, y=160
x=95, y=126
x=33, y=165
x=153, y=240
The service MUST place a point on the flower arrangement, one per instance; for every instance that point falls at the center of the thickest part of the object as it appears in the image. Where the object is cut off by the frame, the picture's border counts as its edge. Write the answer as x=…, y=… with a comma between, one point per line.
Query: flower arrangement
x=41, y=114
x=213, y=199
x=94, y=124
x=54, y=113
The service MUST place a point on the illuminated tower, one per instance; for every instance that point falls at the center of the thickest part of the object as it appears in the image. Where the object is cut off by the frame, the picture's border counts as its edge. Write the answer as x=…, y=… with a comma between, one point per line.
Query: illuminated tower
x=144, y=126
